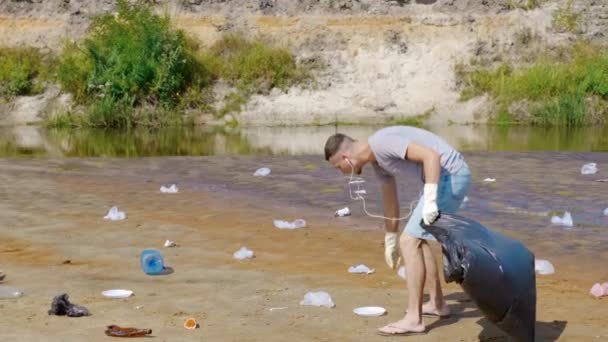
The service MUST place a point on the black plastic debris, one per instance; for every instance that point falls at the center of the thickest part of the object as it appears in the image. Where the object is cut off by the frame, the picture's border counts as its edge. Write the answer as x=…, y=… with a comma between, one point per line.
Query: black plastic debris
x=61, y=306
x=496, y=272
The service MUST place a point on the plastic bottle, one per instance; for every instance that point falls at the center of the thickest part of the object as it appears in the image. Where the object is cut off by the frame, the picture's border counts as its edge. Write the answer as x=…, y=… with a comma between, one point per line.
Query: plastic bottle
x=7, y=292
x=152, y=261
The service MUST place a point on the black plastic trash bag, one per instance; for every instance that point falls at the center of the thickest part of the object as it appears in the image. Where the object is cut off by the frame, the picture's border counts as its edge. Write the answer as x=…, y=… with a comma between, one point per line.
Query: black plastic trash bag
x=61, y=306
x=497, y=272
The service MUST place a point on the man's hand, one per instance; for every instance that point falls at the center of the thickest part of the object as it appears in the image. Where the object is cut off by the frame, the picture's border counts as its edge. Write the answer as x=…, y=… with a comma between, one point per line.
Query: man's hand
x=430, y=212
x=391, y=249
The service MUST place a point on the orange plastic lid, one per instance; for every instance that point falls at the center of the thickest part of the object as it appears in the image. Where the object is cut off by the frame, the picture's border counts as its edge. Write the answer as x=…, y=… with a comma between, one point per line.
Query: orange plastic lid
x=190, y=323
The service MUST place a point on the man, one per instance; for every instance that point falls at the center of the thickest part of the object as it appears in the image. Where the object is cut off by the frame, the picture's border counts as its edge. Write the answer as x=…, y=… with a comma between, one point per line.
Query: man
x=414, y=152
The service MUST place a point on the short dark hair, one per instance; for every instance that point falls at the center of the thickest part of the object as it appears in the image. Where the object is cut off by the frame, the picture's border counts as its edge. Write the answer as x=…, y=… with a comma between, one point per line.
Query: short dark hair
x=333, y=144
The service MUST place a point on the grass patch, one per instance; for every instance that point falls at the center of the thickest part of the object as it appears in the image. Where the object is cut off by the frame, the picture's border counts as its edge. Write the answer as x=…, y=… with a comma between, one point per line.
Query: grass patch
x=557, y=91
x=329, y=189
x=22, y=71
x=310, y=167
x=416, y=120
x=524, y=4
x=565, y=19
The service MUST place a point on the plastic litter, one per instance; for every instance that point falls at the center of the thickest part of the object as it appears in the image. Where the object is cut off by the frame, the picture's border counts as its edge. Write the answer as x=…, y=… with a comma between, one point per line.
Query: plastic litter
x=190, y=324
x=342, y=212
x=299, y=223
x=605, y=214
x=589, y=169
x=169, y=190
x=2, y=276
x=243, y=253
x=361, y=269
x=318, y=299
x=61, y=306
x=402, y=273
x=543, y=267
x=117, y=293
x=566, y=220
x=152, y=261
x=9, y=292
x=262, y=172
x=490, y=180
x=599, y=290
x=370, y=311
x=279, y=308
x=115, y=215
x=116, y=331
x=169, y=243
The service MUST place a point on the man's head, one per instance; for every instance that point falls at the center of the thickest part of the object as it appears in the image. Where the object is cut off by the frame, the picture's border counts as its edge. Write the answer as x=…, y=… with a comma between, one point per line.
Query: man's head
x=344, y=154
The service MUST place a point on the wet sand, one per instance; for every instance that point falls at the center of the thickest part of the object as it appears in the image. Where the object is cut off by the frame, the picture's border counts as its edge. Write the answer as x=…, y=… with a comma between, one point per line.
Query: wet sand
x=52, y=210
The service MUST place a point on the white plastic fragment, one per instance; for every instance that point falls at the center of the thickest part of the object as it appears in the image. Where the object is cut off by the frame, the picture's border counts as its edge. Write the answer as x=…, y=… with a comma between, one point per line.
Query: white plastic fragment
x=589, y=169
x=262, y=172
x=490, y=180
x=361, y=269
x=342, y=212
x=606, y=212
x=543, y=267
x=243, y=253
x=401, y=273
x=599, y=290
x=299, y=223
x=320, y=298
x=565, y=221
x=169, y=190
x=115, y=215
x=169, y=243
x=279, y=308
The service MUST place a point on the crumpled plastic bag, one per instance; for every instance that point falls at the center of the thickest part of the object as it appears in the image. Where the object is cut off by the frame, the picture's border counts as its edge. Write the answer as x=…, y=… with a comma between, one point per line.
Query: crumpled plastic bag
x=599, y=290
x=115, y=215
x=401, y=273
x=243, y=253
x=342, y=212
x=543, y=267
x=320, y=298
x=490, y=180
x=566, y=220
x=61, y=306
x=262, y=172
x=606, y=212
x=169, y=190
x=299, y=223
x=361, y=269
x=589, y=169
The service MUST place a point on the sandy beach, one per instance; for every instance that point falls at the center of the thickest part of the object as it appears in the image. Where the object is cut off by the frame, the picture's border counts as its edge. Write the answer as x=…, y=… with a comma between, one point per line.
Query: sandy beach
x=55, y=240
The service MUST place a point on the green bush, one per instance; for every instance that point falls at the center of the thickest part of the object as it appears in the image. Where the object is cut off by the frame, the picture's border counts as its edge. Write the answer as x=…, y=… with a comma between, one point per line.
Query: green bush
x=21, y=71
x=557, y=89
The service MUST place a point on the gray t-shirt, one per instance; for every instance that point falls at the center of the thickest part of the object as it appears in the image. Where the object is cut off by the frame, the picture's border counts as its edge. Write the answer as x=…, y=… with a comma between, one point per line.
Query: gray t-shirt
x=390, y=144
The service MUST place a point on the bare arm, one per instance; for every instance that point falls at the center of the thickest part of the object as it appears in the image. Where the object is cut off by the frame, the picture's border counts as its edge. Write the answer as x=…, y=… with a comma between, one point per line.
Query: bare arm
x=430, y=160
x=391, y=204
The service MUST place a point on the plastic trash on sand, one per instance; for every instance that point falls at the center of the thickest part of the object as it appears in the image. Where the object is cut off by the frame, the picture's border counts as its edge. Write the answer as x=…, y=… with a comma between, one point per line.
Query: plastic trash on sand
x=243, y=253
x=8, y=292
x=589, y=169
x=115, y=215
x=342, y=212
x=543, y=267
x=262, y=172
x=318, y=299
x=169, y=243
x=61, y=306
x=565, y=221
x=116, y=331
x=299, y=223
x=606, y=212
x=361, y=269
x=599, y=290
x=490, y=180
x=401, y=273
x=190, y=324
x=169, y=190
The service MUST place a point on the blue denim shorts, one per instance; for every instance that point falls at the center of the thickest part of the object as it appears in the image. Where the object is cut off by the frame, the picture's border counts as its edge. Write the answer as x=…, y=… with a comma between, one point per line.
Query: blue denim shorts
x=450, y=193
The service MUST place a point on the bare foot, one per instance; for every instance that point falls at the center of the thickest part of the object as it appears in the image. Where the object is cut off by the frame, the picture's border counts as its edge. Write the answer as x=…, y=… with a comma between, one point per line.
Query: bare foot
x=432, y=310
x=402, y=327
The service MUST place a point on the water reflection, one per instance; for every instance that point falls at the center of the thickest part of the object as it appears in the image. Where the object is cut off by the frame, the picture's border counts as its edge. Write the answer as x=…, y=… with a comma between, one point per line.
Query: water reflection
x=26, y=141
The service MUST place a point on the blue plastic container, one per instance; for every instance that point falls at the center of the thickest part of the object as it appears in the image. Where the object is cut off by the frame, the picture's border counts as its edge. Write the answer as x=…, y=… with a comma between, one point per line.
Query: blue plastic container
x=152, y=261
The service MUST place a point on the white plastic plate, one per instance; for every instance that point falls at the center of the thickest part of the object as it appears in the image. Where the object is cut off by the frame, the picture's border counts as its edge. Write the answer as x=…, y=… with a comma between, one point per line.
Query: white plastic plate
x=117, y=293
x=370, y=311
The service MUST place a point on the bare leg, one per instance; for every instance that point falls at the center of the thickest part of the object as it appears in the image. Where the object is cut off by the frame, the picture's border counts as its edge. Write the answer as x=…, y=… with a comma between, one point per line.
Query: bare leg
x=437, y=304
x=411, y=249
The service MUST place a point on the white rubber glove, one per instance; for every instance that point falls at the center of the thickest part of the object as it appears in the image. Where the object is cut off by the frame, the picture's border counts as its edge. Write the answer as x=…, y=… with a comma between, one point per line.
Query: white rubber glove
x=430, y=212
x=391, y=249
